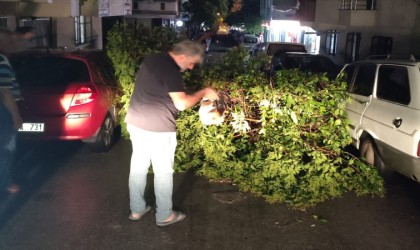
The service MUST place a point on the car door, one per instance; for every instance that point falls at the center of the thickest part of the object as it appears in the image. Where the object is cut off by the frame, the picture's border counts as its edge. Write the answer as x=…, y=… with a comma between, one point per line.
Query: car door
x=392, y=122
x=361, y=77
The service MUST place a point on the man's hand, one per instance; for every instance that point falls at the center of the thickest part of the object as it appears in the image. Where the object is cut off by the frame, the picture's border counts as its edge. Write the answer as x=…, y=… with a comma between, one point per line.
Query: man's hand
x=183, y=101
x=211, y=94
x=10, y=103
x=18, y=121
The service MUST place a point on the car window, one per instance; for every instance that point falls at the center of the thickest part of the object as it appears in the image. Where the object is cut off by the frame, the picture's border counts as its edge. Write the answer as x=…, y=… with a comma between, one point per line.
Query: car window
x=393, y=84
x=44, y=71
x=222, y=43
x=348, y=74
x=365, y=78
x=105, y=68
x=250, y=40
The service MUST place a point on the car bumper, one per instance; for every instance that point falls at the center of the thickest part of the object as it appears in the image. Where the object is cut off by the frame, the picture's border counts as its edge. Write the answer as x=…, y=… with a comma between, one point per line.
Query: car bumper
x=68, y=127
x=399, y=161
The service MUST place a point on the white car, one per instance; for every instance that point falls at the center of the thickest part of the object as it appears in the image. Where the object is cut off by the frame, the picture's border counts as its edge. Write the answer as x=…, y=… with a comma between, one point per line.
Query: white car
x=384, y=112
x=249, y=41
x=218, y=47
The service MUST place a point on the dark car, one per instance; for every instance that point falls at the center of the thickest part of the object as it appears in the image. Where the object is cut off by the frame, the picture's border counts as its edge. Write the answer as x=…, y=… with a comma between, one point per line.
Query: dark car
x=67, y=96
x=275, y=50
x=307, y=62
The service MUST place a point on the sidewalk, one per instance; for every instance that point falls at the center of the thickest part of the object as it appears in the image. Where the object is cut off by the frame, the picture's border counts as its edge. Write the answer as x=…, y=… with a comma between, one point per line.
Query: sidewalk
x=85, y=206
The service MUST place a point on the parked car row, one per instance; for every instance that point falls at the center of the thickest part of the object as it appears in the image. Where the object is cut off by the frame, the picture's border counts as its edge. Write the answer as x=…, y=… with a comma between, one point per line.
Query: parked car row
x=71, y=95
x=67, y=96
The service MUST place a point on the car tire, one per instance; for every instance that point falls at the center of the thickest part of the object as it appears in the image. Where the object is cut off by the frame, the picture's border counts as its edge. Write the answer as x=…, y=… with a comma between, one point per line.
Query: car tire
x=106, y=136
x=370, y=155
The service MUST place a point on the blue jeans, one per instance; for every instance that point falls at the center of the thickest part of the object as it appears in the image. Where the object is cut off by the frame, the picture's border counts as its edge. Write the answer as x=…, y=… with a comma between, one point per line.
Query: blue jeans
x=158, y=149
x=7, y=146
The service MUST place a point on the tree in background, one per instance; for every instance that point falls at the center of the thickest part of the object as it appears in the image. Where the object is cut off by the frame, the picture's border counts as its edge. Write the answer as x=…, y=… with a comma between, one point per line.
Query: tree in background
x=248, y=16
x=209, y=14
x=206, y=12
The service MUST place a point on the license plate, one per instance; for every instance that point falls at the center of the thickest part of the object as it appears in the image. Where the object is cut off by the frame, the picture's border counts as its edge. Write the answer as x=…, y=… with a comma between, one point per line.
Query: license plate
x=32, y=127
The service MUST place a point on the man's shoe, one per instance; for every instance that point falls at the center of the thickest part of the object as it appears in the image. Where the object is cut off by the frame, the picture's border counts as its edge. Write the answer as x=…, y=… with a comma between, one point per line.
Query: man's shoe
x=138, y=216
x=179, y=216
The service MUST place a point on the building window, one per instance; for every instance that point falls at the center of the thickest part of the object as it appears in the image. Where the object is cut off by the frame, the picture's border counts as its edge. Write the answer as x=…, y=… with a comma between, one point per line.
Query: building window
x=331, y=42
x=352, y=47
x=381, y=45
x=42, y=26
x=83, y=29
x=162, y=6
x=3, y=22
x=358, y=4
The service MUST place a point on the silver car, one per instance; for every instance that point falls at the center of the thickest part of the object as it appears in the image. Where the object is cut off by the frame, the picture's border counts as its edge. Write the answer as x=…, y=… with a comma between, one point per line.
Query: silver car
x=219, y=45
x=249, y=41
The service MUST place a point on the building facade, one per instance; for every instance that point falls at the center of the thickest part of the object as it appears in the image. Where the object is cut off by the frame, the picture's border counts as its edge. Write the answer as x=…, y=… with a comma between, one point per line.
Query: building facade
x=82, y=23
x=346, y=30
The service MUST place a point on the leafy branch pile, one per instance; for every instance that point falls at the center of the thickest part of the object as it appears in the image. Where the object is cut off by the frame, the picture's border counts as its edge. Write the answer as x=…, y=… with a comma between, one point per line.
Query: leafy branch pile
x=283, y=138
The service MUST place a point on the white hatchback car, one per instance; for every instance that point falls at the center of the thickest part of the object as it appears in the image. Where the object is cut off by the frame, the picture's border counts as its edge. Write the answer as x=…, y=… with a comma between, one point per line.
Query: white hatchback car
x=384, y=112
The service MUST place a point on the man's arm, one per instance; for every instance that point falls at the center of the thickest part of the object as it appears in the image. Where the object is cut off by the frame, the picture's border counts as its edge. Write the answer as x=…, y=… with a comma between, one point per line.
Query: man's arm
x=184, y=101
x=9, y=102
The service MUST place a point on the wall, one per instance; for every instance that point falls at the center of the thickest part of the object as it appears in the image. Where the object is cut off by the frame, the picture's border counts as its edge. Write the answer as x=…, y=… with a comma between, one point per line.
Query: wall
x=394, y=18
x=64, y=28
x=97, y=32
x=415, y=38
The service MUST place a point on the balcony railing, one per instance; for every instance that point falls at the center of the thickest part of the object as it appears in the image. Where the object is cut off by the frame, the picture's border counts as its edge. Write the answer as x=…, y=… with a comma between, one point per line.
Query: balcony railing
x=358, y=5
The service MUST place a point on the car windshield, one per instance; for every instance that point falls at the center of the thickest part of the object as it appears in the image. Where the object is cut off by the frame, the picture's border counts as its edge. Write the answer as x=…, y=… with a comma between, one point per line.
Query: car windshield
x=222, y=43
x=250, y=40
x=277, y=49
x=44, y=71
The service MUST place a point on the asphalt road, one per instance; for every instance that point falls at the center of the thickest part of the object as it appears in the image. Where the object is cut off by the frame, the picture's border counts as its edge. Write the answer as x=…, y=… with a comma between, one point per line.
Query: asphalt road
x=74, y=199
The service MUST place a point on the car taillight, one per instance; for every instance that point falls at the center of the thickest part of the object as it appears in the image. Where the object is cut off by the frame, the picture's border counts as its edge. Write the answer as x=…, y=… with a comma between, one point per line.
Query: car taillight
x=83, y=95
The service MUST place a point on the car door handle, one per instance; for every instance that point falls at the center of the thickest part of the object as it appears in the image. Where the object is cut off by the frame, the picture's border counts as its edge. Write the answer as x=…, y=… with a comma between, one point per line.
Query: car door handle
x=397, y=122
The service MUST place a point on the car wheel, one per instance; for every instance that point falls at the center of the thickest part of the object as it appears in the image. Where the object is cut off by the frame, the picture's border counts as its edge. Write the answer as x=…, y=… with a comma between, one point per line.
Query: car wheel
x=370, y=154
x=105, y=138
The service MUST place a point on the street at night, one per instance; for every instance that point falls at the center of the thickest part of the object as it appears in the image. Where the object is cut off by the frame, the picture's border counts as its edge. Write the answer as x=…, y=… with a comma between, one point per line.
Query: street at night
x=75, y=199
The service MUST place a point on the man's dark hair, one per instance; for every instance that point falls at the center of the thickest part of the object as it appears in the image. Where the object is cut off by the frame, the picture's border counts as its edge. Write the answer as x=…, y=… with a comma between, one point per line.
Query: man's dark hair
x=24, y=30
